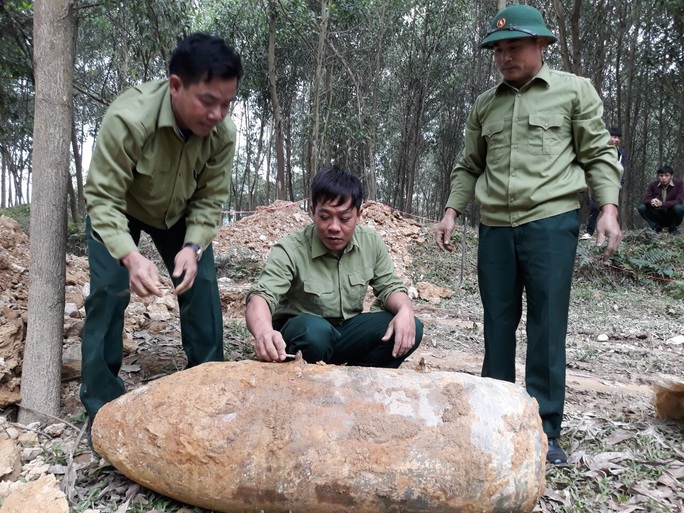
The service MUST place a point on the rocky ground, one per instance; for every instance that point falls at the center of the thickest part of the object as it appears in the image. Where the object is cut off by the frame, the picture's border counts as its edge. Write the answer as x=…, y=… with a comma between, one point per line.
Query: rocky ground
x=623, y=340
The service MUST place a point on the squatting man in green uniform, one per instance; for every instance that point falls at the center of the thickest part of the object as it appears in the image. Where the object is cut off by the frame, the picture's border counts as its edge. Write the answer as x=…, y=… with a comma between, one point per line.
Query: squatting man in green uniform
x=531, y=145
x=161, y=165
x=309, y=296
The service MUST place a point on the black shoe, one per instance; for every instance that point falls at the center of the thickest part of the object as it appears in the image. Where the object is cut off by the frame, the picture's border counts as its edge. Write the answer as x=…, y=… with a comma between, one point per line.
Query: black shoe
x=674, y=231
x=657, y=229
x=556, y=455
x=89, y=437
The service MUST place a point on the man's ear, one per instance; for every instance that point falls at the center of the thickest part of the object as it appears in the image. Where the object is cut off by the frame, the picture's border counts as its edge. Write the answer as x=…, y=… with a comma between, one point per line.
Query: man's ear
x=175, y=83
x=358, y=215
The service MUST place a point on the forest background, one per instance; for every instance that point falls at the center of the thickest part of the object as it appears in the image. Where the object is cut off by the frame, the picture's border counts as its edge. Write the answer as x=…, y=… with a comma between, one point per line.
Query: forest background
x=381, y=87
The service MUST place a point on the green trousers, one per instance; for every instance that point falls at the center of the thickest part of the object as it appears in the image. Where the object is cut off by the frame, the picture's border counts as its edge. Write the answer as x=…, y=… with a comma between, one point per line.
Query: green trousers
x=357, y=341
x=537, y=258
x=102, y=345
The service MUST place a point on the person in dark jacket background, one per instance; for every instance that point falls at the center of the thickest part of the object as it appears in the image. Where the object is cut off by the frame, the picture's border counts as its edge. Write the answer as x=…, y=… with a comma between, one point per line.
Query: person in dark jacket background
x=663, y=205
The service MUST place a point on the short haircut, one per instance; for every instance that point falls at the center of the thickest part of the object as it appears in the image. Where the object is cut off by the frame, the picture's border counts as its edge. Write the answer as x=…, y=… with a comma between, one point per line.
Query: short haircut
x=336, y=185
x=665, y=170
x=201, y=57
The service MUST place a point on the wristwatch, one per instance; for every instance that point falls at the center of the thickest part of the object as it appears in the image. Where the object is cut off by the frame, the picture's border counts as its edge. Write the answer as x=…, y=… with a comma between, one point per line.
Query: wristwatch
x=196, y=247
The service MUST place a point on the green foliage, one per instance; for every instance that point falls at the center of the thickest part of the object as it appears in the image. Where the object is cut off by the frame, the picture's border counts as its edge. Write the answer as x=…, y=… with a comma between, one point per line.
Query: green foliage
x=654, y=261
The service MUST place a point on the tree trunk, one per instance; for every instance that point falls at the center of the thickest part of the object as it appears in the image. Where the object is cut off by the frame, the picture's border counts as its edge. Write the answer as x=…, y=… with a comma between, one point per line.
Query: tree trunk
x=277, y=121
x=316, y=90
x=54, y=40
x=78, y=166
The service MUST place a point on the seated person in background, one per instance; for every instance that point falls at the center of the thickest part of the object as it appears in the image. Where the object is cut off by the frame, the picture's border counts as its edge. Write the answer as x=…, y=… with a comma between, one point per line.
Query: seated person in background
x=310, y=294
x=663, y=205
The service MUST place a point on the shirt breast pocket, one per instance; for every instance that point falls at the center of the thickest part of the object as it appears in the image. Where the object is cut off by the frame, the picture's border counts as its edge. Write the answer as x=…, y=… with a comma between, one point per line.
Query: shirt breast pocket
x=320, y=295
x=152, y=174
x=494, y=135
x=358, y=286
x=546, y=134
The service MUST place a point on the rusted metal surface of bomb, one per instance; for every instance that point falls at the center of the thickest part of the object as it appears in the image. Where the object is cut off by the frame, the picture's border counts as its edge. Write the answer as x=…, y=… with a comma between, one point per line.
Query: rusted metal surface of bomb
x=250, y=436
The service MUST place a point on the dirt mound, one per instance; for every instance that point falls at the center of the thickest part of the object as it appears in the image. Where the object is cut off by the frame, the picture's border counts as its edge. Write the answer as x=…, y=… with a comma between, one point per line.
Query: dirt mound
x=258, y=232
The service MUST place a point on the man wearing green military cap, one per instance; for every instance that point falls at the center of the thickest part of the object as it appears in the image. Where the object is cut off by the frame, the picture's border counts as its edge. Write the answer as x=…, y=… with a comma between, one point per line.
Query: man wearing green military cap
x=532, y=144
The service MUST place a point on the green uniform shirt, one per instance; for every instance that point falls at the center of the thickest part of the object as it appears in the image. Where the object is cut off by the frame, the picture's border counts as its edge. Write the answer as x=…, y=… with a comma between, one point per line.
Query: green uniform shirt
x=302, y=276
x=142, y=167
x=530, y=152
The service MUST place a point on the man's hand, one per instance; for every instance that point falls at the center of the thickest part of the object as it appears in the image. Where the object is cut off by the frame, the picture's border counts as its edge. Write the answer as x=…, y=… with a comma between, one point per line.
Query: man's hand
x=270, y=346
x=144, y=275
x=444, y=230
x=608, y=229
x=185, y=264
x=655, y=202
x=402, y=326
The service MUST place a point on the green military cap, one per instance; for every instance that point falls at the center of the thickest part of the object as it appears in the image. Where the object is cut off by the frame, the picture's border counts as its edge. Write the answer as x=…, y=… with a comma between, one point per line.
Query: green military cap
x=515, y=22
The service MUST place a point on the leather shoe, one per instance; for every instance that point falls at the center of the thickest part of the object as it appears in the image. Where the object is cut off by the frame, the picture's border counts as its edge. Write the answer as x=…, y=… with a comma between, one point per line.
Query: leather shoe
x=89, y=437
x=556, y=455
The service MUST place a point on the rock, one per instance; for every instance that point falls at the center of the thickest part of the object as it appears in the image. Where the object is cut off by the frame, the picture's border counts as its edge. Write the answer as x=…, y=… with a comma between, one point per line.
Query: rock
x=669, y=398
x=42, y=495
x=433, y=293
x=10, y=460
x=602, y=337
x=55, y=430
x=251, y=436
x=675, y=341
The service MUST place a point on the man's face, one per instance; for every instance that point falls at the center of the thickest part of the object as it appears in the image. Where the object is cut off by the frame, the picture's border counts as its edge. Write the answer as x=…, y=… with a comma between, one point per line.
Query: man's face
x=335, y=225
x=203, y=105
x=519, y=60
x=615, y=140
x=664, y=178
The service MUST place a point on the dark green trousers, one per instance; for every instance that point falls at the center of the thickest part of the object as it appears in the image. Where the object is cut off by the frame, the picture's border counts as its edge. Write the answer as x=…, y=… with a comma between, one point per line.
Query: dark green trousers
x=357, y=341
x=659, y=218
x=102, y=345
x=537, y=258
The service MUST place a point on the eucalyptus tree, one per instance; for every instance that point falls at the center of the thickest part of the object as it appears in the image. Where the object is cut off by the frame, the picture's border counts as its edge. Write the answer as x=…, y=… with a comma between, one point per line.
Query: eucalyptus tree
x=53, y=56
x=275, y=44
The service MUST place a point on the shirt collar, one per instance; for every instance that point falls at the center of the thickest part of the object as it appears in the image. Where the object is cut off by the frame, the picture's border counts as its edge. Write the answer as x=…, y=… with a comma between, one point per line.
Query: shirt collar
x=166, y=117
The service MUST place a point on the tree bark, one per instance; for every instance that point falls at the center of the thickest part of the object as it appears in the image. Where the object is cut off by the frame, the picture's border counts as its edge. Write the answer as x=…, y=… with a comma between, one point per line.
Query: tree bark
x=78, y=166
x=277, y=121
x=54, y=40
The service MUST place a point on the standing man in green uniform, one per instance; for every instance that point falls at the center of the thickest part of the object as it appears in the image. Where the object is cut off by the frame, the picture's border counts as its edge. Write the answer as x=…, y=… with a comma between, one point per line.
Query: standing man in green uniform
x=531, y=145
x=161, y=165
x=309, y=296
